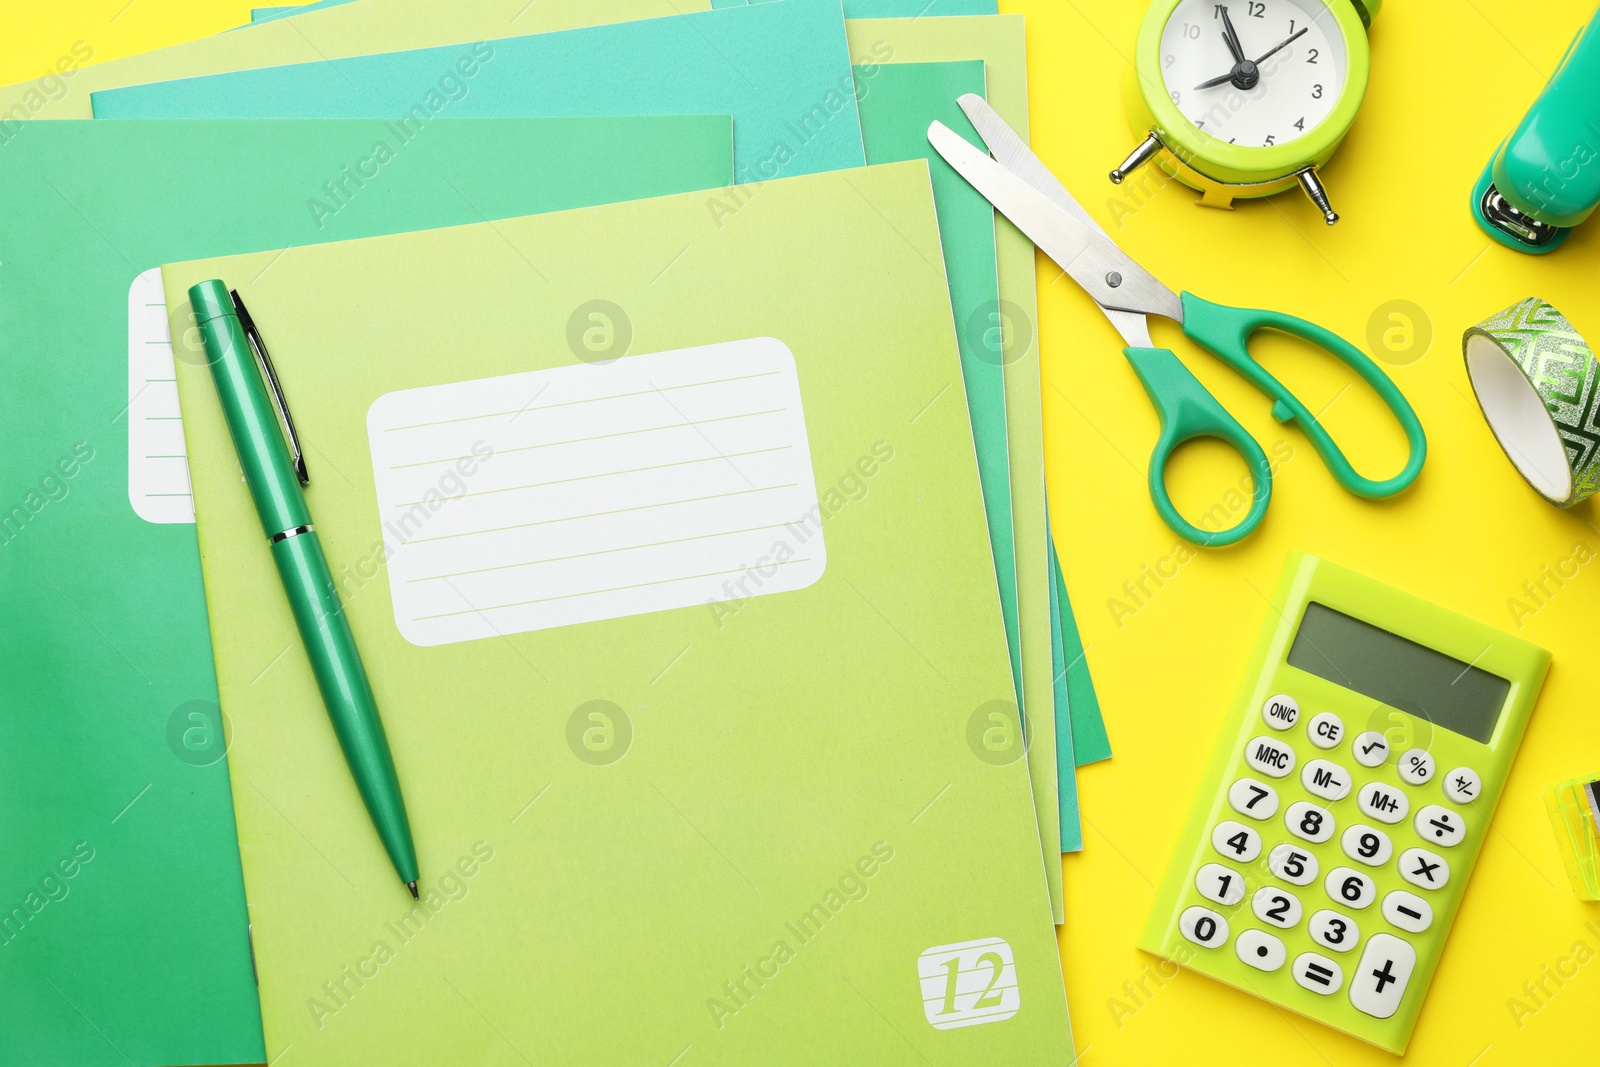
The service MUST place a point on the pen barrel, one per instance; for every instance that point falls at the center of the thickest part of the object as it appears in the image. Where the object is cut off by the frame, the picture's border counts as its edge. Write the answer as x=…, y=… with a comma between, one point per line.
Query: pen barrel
x=346, y=692
x=252, y=420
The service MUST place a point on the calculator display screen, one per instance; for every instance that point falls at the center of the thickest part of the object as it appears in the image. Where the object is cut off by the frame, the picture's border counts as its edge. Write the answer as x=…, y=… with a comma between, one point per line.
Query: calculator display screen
x=1403, y=674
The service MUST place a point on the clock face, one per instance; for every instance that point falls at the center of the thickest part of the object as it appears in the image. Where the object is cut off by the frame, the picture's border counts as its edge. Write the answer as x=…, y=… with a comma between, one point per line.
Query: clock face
x=1278, y=92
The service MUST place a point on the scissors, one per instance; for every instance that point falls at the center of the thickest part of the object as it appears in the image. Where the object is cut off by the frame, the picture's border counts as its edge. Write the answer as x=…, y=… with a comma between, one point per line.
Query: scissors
x=1022, y=188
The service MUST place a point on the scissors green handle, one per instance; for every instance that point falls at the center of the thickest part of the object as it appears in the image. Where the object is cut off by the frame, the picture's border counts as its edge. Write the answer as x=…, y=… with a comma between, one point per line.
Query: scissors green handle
x=1189, y=412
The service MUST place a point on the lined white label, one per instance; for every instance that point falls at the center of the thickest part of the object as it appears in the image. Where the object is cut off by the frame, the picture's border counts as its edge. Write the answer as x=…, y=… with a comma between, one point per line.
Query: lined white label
x=968, y=983
x=158, y=465
x=595, y=491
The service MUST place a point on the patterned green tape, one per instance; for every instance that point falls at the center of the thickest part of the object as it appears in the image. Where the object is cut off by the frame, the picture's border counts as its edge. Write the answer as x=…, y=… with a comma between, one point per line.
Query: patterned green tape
x=1538, y=384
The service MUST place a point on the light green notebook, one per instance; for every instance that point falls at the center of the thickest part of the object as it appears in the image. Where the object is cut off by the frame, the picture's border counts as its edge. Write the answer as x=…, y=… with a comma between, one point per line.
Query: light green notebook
x=897, y=102
x=1012, y=341
x=357, y=28
x=122, y=915
x=653, y=597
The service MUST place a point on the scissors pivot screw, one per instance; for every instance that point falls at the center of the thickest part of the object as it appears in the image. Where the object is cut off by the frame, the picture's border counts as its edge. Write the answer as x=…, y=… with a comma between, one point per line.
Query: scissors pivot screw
x=1113, y=279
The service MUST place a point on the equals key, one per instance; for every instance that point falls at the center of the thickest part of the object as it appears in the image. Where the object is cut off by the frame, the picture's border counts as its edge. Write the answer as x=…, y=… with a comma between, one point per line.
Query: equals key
x=1318, y=973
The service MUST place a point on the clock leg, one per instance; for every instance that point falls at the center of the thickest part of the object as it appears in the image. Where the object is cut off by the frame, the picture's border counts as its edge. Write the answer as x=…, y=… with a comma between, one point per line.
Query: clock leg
x=1319, y=196
x=1139, y=157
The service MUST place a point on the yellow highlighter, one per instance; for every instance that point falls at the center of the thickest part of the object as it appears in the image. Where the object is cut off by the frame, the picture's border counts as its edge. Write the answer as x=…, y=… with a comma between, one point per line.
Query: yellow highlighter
x=1575, y=810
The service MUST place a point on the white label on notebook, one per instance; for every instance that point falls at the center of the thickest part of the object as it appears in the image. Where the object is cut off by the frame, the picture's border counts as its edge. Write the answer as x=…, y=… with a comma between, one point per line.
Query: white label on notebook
x=968, y=983
x=158, y=466
x=595, y=491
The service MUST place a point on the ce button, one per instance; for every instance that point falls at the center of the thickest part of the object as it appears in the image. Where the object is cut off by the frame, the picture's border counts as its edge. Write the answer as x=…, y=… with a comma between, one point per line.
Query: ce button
x=1326, y=730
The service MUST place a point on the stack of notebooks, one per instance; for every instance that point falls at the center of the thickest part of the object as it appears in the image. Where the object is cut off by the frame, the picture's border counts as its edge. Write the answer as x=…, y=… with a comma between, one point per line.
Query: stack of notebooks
x=672, y=420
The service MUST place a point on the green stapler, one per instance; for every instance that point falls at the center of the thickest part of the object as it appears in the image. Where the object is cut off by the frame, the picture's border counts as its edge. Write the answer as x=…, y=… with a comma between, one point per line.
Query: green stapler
x=1545, y=177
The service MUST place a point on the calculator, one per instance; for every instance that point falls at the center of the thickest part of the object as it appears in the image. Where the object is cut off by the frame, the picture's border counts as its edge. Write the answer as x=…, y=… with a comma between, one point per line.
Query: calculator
x=1340, y=817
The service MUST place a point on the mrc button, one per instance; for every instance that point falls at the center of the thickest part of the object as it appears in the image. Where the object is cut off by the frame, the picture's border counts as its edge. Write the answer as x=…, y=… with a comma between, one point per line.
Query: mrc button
x=1269, y=757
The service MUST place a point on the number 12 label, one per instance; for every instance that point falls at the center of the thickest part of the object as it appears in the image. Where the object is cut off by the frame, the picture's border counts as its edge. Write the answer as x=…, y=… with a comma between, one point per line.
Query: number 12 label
x=968, y=983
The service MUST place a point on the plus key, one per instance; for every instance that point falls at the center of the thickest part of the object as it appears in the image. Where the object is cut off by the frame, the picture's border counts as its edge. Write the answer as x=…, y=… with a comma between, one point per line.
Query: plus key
x=1381, y=979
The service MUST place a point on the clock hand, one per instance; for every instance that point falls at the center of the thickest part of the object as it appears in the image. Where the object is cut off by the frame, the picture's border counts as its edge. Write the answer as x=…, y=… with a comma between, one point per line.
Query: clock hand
x=1285, y=43
x=1246, y=73
x=1231, y=36
x=1228, y=77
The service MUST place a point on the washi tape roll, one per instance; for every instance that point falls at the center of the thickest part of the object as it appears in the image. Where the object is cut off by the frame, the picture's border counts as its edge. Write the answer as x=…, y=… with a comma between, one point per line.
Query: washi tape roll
x=1538, y=384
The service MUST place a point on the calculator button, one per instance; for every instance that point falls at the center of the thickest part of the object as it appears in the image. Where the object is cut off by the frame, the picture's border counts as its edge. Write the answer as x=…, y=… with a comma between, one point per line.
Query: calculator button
x=1367, y=844
x=1383, y=802
x=1462, y=785
x=1351, y=888
x=1236, y=841
x=1325, y=730
x=1294, y=865
x=1204, y=927
x=1327, y=780
x=1281, y=711
x=1260, y=950
x=1220, y=884
x=1332, y=930
x=1417, y=767
x=1370, y=749
x=1441, y=826
x=1422, y=868
x=1275, y=906
x=1309, y=821
x=1381, y=977
x=1317, y=973
x=1256, y=799
x=1407, y=911
x=1270, y=757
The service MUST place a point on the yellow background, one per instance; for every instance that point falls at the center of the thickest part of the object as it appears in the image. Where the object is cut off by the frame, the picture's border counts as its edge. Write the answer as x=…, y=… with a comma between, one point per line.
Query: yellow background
x=1450, y=78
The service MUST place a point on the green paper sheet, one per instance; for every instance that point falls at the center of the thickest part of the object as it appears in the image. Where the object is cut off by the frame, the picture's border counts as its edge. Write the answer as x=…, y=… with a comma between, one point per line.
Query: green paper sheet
x=1066, y=763
x=1088, y=726
x=122, y=917
x=678, y=831
x=897, y=103
x=356, y=28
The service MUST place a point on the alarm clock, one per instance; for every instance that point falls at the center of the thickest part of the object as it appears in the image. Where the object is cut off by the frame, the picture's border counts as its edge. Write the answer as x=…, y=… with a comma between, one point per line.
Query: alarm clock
x=1248, y=98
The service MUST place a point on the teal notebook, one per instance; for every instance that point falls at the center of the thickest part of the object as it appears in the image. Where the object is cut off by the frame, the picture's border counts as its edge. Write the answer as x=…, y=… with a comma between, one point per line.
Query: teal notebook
x=122, y=919
x=853, y=9
x=781, y=69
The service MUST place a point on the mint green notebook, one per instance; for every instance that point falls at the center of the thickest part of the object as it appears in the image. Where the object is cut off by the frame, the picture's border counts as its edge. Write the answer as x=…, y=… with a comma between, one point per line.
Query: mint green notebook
x=122, y=917
x=652, y=611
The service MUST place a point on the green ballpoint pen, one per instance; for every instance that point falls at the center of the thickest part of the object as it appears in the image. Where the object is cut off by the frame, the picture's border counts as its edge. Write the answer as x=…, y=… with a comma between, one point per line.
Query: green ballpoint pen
x=275, y=470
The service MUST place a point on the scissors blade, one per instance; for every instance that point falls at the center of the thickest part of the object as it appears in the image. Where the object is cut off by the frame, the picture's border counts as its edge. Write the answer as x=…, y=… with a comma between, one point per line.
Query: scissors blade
x=1008, y=148
x=1013, y=153
x=1080, y=248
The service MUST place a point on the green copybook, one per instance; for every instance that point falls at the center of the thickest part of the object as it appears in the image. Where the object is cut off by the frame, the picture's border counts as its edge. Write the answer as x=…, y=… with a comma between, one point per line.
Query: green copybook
x=1006, y=332
x=897, y=102
x=356, y=28
x=122, y=915
x=652, y=598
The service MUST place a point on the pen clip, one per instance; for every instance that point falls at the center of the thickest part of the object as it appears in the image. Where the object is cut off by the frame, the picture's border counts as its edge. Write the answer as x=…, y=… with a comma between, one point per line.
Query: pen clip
x=280, y=403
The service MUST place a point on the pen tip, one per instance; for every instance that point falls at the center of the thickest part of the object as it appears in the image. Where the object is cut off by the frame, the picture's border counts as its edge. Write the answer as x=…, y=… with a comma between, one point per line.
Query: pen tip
x=413, y=887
